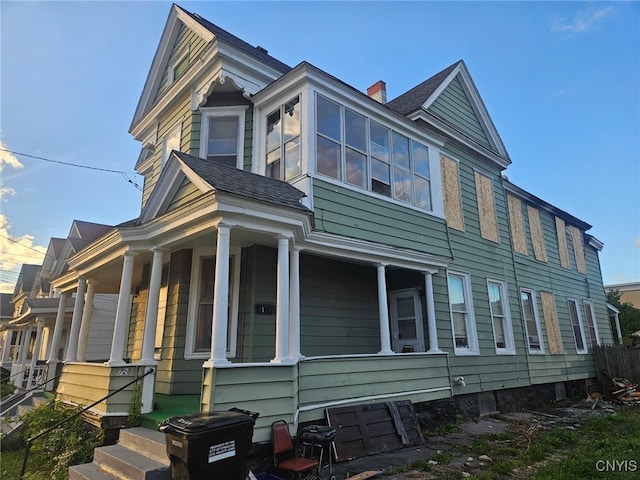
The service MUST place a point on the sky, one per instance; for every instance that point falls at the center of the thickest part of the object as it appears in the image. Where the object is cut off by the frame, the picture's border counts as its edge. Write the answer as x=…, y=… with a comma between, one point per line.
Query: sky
x=561, y=82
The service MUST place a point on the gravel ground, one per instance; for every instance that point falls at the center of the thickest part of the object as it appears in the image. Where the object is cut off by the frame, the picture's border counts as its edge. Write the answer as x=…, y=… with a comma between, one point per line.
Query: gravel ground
x=569, y=416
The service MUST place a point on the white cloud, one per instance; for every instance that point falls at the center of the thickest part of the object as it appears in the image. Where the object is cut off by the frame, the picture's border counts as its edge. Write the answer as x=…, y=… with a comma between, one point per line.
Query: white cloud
x=6, y=287
x=8, y=158
x=6, y=191
x=583, y=21
x=14, y=251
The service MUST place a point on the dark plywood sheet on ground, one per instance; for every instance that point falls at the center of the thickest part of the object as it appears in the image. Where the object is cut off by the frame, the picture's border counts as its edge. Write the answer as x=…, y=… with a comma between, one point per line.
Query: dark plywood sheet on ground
x=369, y=429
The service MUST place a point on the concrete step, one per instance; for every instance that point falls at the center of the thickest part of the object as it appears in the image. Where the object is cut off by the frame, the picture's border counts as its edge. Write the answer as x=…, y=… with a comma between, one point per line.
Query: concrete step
x=127, y=464
x=146, y=442
x=89, y=471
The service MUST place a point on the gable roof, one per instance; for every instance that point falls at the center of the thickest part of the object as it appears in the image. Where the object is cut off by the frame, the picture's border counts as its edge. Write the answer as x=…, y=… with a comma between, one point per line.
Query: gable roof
x=26, y=279
x=413, y=99
x=212, y=176
x=222, y=35
x=88, y=230
x=231, y=180
x=416, y=103
x=6, y=307
x=210, y=33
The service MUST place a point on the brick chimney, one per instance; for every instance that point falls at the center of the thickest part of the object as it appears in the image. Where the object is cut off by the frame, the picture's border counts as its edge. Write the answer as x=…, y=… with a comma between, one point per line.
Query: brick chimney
x=378, y=91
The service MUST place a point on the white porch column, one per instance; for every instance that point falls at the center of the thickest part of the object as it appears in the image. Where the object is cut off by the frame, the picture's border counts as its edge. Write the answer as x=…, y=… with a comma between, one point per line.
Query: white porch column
x=220, y=320
x=121, y=325
x=150, y=325
x=294, y=306
x=383, y=312
x=53, y=360
x=72, y=348
x=15, y=362
x=151, y=316
x=86, y=321
x=282, y=303
x=36, y=352
x=6, y=347
x=431, y=312
x=24, y=350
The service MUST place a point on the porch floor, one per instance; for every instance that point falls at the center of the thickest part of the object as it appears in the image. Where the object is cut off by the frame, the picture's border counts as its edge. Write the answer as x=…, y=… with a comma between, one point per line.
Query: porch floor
x=170, y=406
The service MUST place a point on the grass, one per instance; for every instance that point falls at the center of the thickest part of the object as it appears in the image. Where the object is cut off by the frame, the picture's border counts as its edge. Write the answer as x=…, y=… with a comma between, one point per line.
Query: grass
x=6, y=389
x=603, y=447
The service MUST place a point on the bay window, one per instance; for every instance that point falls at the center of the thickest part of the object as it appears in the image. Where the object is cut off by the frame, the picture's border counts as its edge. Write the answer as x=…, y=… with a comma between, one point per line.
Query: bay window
x=283, y=141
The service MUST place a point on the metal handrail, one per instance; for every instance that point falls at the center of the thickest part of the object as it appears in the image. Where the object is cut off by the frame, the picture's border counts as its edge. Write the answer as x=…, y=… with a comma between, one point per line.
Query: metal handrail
x=62, y=422
x=13, y=401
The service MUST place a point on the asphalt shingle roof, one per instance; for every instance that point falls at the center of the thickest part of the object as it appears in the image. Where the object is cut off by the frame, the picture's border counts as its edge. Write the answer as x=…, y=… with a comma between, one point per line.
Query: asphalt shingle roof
x=257, y=52
x=246, y=184
x=413, y=99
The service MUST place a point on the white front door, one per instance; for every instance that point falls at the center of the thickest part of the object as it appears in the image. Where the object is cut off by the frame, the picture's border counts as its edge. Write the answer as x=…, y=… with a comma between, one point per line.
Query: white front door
x=407, y=333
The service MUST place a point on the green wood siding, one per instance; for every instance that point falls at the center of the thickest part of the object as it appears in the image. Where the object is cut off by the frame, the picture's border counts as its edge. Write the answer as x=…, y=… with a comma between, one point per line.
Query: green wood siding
x=341, y=211
x=270, y=391
x=187, y=192
x=175, y=375
x=338, y=307
x=453, y=106
x=338, y=381
x=187, y=43
x=482, y=259
x=180, y=114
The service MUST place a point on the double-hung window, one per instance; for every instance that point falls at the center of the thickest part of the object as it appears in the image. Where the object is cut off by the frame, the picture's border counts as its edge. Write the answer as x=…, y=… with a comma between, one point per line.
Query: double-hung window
x=359, y=151
x=531, y=321
x=592, y=326
x=222, y=136
x=576, y=325
x=283, y=141
x=202, y=292
x=171, y=141
x=465, y=339
x=499, y=307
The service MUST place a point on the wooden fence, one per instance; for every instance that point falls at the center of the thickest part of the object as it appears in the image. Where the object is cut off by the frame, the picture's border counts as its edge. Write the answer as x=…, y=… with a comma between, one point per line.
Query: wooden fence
x=618, y=361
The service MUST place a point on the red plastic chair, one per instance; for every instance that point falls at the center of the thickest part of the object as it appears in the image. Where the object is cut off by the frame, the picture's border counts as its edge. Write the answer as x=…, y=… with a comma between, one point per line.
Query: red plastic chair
x=284, y=454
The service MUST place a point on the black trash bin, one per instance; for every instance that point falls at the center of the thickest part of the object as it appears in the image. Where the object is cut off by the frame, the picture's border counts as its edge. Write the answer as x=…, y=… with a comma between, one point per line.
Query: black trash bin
x=209, y=445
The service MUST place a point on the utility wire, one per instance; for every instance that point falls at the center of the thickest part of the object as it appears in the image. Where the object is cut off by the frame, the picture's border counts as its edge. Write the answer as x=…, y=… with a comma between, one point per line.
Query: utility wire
x=22, y=245
x=121, y=172
x=63, y=163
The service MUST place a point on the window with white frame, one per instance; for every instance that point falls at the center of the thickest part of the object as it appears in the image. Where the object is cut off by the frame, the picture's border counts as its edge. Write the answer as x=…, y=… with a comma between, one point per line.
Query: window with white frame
x=576, y=325
x=465, y=339
x=531, y=321
x=592, y=326
x=222, y=135
x=283, y=161
x=500, y=318
x=359, y=151
x=200, y=317
x=171, y=141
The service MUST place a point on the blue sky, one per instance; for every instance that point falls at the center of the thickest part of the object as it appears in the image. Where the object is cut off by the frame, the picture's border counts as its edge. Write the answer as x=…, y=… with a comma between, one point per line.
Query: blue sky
x=561, y=81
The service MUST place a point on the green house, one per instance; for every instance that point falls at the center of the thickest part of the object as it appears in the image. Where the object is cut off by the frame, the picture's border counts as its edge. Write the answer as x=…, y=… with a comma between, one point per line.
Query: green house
x=302, y=245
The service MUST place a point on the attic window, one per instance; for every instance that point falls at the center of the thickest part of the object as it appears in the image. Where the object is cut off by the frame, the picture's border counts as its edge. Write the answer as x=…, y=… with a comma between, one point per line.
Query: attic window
x=179, y=68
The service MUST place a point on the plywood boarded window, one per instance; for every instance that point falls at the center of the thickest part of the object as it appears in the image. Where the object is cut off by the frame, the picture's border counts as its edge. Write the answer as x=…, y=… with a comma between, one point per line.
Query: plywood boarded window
x=563, y=248
x=486, y=208
x=517, y=224
x=537, y=235
x=451, y=193
x=551, y=322
x=578, y=249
